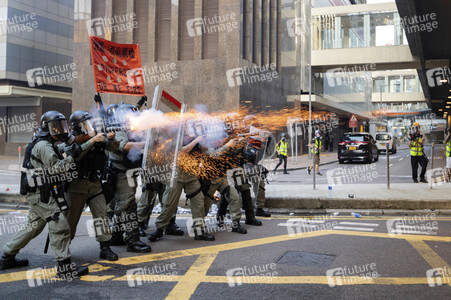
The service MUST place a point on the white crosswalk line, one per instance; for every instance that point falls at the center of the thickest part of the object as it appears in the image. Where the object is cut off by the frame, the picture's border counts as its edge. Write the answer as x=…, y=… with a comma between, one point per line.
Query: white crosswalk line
x=400, y=231
x=294, y=224
x=358, y=223
x=353, y=228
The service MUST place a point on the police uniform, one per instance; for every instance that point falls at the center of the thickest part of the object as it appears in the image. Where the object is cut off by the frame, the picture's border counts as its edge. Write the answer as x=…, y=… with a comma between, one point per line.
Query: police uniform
x=43, y=211
x=125, y=208
x=188, y=183
x=87, y=189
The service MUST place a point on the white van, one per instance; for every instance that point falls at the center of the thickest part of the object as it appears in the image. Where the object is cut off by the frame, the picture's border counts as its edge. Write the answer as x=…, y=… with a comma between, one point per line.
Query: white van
x=382, y=138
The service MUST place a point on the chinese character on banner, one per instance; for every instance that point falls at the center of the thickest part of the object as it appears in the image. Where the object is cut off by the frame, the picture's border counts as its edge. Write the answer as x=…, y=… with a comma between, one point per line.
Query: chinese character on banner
x=117, y=67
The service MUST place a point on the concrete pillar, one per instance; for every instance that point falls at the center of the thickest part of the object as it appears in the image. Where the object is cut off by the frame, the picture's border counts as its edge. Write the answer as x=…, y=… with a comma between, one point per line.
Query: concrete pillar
x=198, y=38
x=273, y=31
x=130, y=10
x=265, y=32
x=257, y=57
x=151, y=33
x=174, y=30
x=248, y=30
x=108, y=14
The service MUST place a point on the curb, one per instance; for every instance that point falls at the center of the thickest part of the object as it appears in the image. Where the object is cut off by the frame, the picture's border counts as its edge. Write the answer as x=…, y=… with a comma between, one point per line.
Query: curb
x=378, y=204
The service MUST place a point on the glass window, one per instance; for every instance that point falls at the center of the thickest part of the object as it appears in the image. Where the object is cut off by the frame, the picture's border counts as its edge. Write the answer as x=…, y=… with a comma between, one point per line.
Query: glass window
x=379, y=85
x=410, y=84
x=382, y=137
x=355, y=138
x=395, y=84
x=21, y=122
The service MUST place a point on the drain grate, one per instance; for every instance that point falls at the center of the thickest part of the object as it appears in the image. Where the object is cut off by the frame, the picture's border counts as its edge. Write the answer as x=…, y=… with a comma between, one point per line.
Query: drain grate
x=306, y=259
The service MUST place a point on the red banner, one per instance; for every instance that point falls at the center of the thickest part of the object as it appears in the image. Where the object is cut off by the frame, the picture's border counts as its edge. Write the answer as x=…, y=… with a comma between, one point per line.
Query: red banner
x=117, y=67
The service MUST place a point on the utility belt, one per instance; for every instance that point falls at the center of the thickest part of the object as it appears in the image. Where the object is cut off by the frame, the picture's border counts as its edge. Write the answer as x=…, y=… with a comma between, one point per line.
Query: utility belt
x=56, y=191
x=109, y=181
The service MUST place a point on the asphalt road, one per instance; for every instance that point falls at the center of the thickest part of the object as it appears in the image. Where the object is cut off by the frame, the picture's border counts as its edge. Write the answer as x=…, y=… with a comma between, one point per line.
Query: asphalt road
x=399, y=164
x=289, y=257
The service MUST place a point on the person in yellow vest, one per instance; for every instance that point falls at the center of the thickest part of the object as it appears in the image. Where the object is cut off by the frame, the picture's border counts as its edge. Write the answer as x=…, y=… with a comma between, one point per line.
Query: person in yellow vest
x=282, y=153
x=416, y=141
x=448, y=155
x=316, y=145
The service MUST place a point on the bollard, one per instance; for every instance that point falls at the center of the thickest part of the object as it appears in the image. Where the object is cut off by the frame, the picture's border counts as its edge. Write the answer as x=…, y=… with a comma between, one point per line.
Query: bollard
x=314, y=167
x=19, y=150
x=388, y=165
x=432, y=165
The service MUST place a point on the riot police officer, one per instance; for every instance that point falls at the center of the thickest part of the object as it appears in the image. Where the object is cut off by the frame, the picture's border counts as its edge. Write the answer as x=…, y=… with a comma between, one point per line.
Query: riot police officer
x=46, y=204
x=86, y=188
x=128, y=156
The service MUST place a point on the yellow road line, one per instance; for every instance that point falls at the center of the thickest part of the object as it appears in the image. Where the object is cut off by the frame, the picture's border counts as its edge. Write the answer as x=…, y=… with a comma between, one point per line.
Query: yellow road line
x=392, y=236
x=238, y=280
x=429, y=255
x=186, y=287
x=212, y=249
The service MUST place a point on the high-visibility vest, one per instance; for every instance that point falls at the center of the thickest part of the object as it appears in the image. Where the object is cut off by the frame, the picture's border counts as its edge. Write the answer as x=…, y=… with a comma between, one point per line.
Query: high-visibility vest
x=416, y=149
x=282, y=148
x=318, y=144
x=448, y=149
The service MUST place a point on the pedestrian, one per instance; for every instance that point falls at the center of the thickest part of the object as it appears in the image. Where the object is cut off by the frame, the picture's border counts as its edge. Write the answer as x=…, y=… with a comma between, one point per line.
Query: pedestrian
x=447, y=143
x=282, y=153
x=316, y=145
x=331, y=142
x=416, y=141
x=326, y=141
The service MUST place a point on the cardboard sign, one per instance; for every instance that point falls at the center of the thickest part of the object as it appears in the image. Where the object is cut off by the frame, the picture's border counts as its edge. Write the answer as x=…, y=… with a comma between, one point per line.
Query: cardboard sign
x=117, y=67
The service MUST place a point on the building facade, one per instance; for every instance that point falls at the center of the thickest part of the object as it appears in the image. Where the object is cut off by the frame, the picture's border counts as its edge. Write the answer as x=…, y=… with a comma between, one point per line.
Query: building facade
x=36, y=67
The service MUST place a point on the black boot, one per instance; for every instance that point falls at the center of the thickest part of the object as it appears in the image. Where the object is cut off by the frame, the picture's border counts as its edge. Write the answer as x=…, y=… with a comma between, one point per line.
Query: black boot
x=261, y=213
x=203, y=237
x=222, y=210
x=9, y=261
x=249, y=209
x=142, y=233
x=236, y=227
x=158, y=234
x=117, y=238
x=68, y=270
x=106, y=252
x=173, y=229
x=136, y=246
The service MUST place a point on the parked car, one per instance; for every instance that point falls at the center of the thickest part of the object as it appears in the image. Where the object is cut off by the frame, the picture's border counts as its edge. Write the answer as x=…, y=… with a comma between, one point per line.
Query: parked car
x=357, y=146
x=382, y=138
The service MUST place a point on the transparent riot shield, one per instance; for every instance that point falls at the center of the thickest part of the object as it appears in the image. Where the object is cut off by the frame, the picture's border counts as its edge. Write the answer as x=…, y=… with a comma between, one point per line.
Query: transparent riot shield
x=163, y=144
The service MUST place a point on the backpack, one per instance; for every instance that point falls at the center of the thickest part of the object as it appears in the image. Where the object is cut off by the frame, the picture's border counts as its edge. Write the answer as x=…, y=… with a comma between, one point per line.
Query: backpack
x=24, y=186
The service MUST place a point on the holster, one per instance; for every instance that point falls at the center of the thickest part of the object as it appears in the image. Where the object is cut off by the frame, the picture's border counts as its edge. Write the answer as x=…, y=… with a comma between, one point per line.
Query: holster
x=109, y=181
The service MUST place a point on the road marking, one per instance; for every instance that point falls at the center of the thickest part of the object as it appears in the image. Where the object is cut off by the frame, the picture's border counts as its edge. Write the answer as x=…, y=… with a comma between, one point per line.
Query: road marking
x=356, y=228
x=401, y=158
x=429, y=255
x=353, y=228
x=187, y=285
x=400, y=231
x=390, y=165
x=358, y=223
x=300, y=224
x=213, y=249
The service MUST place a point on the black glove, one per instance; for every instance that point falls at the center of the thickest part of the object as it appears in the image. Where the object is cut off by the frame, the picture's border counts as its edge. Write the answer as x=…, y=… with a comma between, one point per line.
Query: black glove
x=97, y=98
x=142, y=101
x=73, y=150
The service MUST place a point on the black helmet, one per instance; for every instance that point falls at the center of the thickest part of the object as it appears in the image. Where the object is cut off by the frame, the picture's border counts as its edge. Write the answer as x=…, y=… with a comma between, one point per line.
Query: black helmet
x=111, y=109
x=55, y=123
x=122, y=111
x=82, y=123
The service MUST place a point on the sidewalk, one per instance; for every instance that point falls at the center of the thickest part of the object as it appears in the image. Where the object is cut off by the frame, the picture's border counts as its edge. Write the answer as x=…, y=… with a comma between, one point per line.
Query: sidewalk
x=301, y=162
x=408, y=196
